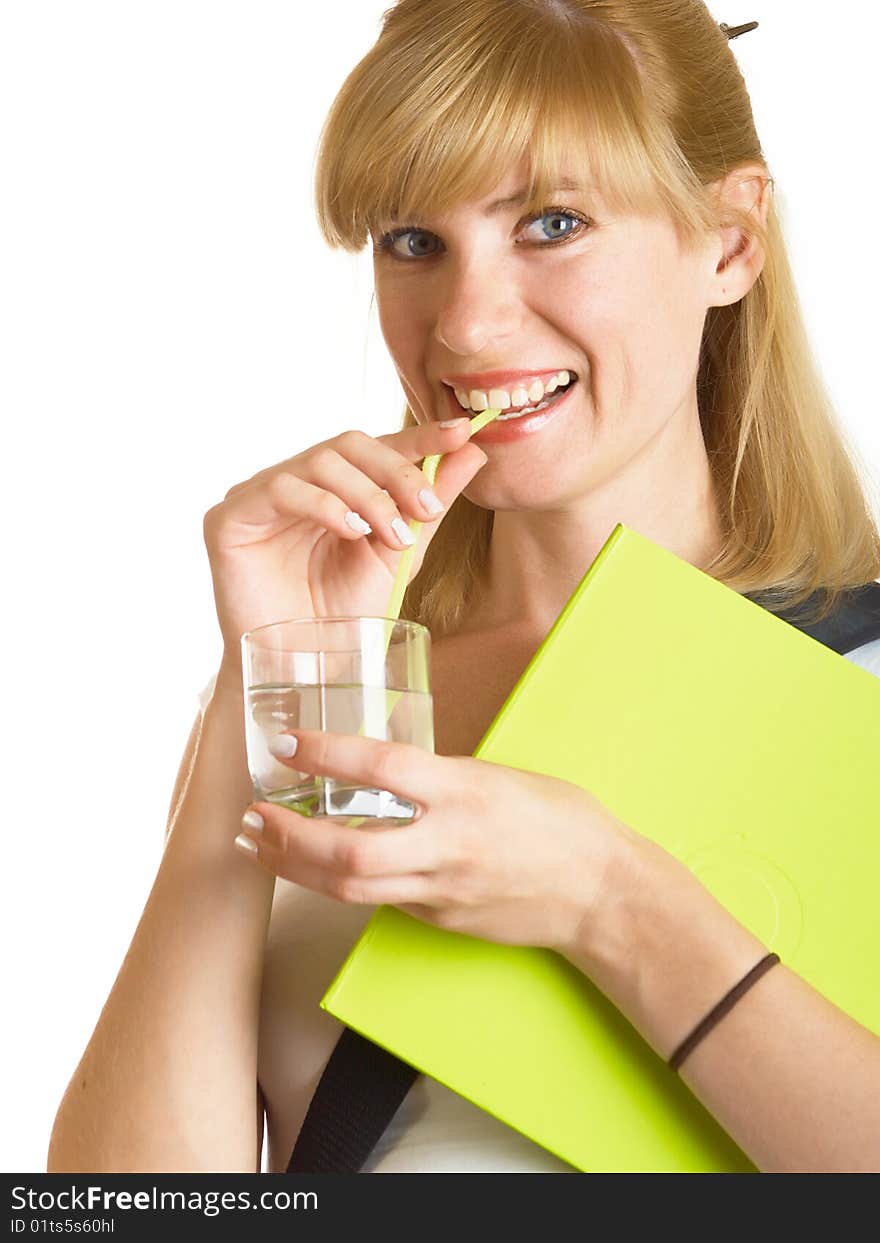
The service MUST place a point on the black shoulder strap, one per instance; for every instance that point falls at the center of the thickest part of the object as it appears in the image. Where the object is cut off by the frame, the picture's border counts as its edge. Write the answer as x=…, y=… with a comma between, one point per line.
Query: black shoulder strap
x=363, y=1085
x=360, y=1091
x=853, y=623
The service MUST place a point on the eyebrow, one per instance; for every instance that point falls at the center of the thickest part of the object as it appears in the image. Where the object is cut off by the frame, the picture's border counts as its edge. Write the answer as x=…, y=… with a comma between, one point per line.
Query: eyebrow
x=521, y=195
x=514, y=200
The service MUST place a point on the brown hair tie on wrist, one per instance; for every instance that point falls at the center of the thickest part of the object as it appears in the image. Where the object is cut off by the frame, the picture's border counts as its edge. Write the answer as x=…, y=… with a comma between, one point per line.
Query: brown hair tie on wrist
x=727, y=1002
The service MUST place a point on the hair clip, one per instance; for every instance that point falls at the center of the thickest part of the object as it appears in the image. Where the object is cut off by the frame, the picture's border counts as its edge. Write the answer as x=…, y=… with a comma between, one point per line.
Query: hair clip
x=734, y=32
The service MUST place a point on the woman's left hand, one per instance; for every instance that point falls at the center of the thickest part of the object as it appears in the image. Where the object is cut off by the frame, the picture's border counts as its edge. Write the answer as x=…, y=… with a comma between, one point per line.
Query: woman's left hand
x=499, y=853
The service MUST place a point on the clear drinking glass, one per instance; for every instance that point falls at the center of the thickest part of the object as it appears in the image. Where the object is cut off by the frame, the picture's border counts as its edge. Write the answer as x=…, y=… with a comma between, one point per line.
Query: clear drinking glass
x=347, y=675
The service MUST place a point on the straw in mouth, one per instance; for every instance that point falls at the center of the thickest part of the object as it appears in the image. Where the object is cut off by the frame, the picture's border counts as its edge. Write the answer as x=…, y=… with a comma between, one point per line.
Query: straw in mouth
x=429, y=470
x=401, y=578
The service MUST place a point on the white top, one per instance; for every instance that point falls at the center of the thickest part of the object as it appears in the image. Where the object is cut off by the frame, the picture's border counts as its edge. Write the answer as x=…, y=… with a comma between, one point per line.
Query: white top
x=435, y=1130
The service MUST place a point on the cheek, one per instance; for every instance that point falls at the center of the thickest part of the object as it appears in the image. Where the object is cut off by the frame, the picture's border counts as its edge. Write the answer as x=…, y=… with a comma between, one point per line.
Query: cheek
x=666, y=318
x=405, y=330
x=640, y=328
x=405, y=339
x=392, y=321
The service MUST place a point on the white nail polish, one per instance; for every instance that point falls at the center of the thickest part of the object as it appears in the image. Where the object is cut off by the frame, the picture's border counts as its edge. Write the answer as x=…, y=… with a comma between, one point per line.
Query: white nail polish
x=245, y=844
x=432, y=503
x=356, y=522
x=403, y=533
x=283, y=746
x=253, y=820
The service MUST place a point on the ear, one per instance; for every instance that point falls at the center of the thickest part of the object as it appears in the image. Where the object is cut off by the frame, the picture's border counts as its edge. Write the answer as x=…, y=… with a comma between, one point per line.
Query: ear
x=747, y=188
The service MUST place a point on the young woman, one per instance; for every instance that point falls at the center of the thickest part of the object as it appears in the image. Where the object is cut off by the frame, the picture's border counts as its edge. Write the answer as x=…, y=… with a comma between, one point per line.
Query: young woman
x=569, y=209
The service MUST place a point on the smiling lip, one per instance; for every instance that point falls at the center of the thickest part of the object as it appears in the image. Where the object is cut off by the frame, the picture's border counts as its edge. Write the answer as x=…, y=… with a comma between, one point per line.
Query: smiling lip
x=513, y=429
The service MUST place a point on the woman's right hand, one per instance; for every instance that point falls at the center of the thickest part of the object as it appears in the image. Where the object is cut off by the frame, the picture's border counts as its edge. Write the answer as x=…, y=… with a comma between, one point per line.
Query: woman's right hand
x=279, y=544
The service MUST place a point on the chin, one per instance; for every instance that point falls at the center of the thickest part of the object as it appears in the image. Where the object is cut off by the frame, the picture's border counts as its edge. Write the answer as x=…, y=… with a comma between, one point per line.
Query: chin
x=506, y=497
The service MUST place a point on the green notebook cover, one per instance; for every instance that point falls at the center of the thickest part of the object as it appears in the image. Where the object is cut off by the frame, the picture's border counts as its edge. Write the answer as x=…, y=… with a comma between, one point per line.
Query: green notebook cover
x=741, y=745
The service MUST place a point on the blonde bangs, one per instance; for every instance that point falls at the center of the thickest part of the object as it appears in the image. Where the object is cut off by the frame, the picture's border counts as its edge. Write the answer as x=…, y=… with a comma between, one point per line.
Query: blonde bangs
x=420, y=128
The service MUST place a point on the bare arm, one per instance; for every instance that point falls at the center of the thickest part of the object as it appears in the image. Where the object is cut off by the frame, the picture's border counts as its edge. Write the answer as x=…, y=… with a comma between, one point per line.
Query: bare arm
x=790, y=1077
x=168, y=1080
x=184, y=773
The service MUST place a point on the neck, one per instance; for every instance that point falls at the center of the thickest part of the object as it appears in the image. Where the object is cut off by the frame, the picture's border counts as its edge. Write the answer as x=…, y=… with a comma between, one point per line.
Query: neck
x=538, y=557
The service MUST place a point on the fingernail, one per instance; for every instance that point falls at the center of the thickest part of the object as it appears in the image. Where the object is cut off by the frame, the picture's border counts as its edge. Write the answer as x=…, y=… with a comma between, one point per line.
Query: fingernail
x=245, y=845
x=356, y=522
x=454, y=422
x=403, y=533
x=283, y=746
x=431, y=501
x=252, y=820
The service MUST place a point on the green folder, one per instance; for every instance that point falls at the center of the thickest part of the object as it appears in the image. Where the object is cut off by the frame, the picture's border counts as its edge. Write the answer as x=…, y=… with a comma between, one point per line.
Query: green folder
x=746, y=749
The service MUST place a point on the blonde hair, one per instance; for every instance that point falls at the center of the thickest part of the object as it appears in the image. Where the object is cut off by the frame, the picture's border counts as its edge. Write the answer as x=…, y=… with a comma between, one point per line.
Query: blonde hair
x=650, y=97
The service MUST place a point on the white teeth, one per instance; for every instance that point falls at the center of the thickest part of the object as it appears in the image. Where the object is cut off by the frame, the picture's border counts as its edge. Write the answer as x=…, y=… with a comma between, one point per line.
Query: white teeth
x=499, y=399
x=504, y=418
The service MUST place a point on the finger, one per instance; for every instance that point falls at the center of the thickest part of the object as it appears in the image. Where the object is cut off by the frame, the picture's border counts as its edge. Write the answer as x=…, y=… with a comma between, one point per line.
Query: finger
x=381, y=480
x=460, y=460
x=415, y=887
x=428, y=438
x=266, y=506
x=415, y=773
x=294, y=842
x=386, y=890
x=359, y=486
x=344, y=886
x=419, y=888
x=318, y=487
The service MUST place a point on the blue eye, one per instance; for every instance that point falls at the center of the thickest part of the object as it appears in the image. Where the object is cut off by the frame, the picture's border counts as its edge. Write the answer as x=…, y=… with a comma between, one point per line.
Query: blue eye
x=416, y=242
x=557, y=218
x=413, y=243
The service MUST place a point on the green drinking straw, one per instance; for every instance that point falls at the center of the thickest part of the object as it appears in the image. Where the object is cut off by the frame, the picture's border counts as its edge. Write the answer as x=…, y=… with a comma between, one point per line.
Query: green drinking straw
x=401, y=578
x=429, y=470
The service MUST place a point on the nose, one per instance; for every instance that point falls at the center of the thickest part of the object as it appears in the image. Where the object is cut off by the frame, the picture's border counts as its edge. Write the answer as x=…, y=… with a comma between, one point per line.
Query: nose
x=476, y=311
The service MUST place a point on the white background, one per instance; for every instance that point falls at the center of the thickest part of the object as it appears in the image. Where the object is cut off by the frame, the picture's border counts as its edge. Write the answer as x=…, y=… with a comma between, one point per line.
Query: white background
x=168, y=315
